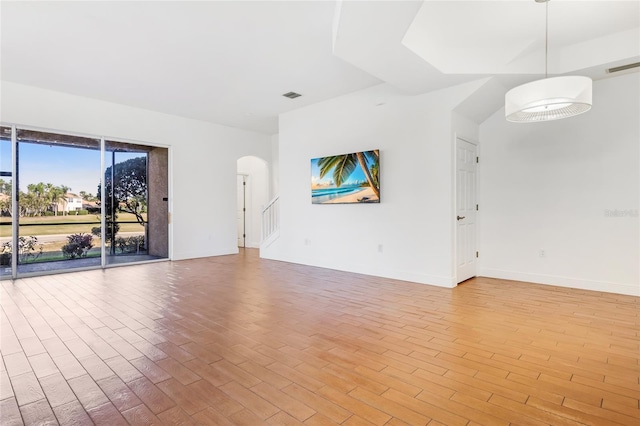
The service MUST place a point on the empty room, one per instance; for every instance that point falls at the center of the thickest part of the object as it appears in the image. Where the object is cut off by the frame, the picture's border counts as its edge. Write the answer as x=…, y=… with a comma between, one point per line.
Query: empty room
x=320, y=212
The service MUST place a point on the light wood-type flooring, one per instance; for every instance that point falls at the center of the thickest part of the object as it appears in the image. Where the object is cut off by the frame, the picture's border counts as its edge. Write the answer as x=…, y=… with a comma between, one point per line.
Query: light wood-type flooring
x=242, y=340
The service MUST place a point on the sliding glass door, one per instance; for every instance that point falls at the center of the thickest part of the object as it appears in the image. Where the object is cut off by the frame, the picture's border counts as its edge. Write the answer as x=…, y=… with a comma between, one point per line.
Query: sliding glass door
x=81, y=202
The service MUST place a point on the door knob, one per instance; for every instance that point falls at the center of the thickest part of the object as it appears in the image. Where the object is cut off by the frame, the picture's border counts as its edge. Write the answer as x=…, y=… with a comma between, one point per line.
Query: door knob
x=460, y=217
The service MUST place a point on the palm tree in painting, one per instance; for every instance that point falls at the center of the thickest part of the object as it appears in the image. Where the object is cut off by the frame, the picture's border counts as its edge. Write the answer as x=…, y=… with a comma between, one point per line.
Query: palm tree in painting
x=344, y=165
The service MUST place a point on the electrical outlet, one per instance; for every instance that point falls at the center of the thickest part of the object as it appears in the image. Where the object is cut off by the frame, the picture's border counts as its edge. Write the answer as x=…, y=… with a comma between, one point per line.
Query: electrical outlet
x=379, y=248
x=307, y=242
x=542, y=253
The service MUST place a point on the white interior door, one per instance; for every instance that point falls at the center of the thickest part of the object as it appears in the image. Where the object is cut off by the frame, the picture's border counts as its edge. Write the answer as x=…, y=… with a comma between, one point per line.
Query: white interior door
x=466, y=163
x=241, y=210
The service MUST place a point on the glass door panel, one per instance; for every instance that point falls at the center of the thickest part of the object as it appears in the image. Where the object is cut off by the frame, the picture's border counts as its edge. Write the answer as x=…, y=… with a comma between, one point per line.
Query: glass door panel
x=59, y=216
x=135, y=192
x=6, y=219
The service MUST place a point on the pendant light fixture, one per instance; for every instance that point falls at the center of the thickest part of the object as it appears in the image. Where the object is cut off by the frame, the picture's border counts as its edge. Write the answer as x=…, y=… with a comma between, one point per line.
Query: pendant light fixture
x=549, y=98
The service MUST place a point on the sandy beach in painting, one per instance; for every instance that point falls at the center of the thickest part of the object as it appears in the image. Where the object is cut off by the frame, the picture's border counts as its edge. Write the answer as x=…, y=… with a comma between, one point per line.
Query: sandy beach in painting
x=355, y=197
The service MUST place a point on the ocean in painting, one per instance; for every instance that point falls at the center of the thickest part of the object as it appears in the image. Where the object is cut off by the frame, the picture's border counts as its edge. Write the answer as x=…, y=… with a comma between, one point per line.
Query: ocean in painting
x=322, y=195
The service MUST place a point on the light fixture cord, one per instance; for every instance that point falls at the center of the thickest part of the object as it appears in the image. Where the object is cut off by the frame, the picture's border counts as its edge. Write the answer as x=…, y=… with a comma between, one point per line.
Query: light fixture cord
x=546, y=37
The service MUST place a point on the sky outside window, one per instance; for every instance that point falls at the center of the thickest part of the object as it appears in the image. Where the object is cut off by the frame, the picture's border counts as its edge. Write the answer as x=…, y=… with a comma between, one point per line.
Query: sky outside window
x=5, y=156
x=77, y=168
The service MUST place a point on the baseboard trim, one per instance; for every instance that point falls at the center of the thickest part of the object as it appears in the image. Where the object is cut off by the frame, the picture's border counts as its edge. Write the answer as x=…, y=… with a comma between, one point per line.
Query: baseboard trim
x=604, y=286
x=196, y=255
x=401, y=275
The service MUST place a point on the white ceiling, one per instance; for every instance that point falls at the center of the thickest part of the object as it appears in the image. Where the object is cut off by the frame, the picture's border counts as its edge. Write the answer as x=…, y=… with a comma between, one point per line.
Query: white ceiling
x=229, y=62
x=500, y=37
x=225, y=62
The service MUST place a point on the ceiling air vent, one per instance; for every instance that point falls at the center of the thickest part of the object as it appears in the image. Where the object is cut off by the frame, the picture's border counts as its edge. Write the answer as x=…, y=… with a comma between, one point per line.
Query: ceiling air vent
x=292, y=95
x=623, y=67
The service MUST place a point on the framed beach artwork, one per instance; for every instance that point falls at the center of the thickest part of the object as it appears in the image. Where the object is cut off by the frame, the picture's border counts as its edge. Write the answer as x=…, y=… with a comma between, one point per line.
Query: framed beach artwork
x=347, y=178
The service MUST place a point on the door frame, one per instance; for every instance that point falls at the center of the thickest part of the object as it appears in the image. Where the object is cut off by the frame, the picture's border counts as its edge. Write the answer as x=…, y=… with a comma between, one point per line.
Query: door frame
x=454, y=222
x=245, y=179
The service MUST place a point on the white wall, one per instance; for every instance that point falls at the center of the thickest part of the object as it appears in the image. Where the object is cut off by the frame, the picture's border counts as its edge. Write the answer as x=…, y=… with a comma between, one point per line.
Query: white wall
x=202, y=158
x=465, y=128
x=275, y=167
x=549, y=186
x=256, y=197
x=414, y=221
